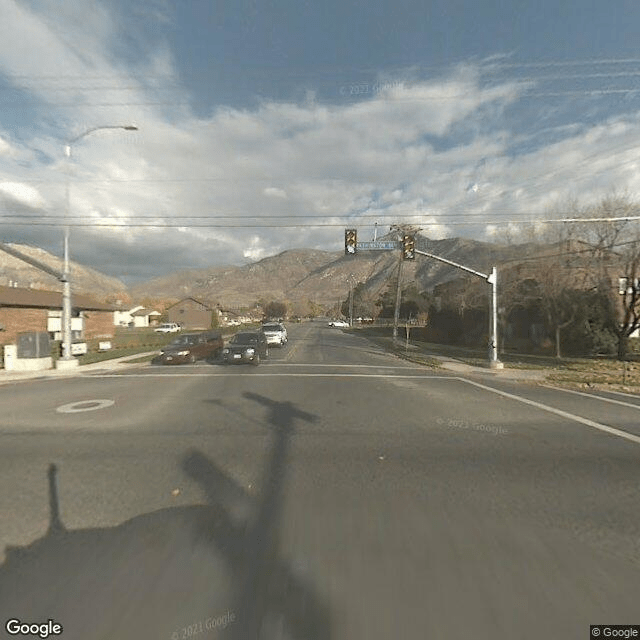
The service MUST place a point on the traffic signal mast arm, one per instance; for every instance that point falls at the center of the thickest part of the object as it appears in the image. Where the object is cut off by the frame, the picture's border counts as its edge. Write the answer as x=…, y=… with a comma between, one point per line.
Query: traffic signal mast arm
x=455, y=264
x=32, y=261
x=492, y=279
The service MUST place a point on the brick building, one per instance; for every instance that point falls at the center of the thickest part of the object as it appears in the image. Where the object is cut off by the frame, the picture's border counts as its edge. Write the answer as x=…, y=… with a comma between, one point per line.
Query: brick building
x=33, y=310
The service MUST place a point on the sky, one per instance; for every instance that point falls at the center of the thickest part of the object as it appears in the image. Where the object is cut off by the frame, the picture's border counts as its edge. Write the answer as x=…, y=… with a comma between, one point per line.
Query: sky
x=267, y=126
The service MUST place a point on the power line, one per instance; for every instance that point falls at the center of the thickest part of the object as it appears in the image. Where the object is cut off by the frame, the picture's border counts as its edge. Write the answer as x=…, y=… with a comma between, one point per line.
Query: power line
x=564, y=254
x=351, y=217
x=260, y=223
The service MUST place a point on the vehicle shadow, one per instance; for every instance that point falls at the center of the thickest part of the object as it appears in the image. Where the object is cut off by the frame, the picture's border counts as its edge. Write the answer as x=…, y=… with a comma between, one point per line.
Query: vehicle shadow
x=212, y=570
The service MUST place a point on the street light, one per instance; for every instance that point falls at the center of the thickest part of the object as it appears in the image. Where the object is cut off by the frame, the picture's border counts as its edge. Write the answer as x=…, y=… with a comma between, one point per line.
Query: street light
x=67, y=360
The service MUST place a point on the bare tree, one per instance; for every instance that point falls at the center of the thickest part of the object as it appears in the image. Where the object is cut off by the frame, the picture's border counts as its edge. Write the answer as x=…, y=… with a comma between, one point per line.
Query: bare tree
x=545, y=278
x=615, y=256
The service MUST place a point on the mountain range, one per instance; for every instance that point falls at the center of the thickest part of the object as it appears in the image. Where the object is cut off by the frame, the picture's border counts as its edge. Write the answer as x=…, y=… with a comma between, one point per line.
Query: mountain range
x=322, y=277
x=296, y=275
x=15, y=272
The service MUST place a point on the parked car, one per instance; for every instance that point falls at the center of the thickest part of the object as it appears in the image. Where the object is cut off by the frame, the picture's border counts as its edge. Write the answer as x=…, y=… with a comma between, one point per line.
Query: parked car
x=168, y=327
x=275, y=332
x=246, y=346
x=190, y=347
x=338, y=323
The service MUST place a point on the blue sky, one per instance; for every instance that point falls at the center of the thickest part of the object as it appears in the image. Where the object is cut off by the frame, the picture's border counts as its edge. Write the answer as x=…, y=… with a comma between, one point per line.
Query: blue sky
x=265, y=126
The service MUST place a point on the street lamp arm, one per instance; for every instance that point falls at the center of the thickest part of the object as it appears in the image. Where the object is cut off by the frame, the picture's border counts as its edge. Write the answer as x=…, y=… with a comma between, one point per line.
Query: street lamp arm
x=67, y=358
x=126, y=127
x=72, y=141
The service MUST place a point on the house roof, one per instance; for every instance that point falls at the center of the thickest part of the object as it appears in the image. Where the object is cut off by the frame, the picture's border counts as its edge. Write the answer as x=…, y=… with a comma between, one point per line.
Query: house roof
x=204, y=304
x=34, y=298
x=146, y=312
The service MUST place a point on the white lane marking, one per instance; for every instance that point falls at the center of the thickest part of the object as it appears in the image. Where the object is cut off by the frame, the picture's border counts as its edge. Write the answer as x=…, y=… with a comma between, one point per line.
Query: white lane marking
x=591, y=395
x=281, y=363
x=558, y=412
x=269, y=375
x=621, y=393
x=84, y=405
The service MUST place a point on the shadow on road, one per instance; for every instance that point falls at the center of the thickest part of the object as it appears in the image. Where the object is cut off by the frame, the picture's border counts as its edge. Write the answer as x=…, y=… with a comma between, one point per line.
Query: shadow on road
x=210, y=571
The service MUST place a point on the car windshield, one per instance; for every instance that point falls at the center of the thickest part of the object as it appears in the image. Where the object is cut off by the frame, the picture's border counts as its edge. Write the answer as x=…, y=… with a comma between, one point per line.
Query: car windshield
x=319, y=319
x=183, y=340
x=244, y=338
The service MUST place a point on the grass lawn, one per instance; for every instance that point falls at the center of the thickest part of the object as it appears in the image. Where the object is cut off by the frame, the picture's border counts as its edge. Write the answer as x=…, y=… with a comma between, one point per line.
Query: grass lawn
x=578, y=373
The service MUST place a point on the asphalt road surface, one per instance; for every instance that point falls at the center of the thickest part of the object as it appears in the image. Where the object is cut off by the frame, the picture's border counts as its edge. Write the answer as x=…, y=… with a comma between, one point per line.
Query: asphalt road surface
x=333, y=491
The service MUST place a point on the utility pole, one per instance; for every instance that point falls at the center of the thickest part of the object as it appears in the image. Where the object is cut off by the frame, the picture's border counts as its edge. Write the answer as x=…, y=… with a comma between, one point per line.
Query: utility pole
x=351, y=300
x=403, y=230
x=396, y=313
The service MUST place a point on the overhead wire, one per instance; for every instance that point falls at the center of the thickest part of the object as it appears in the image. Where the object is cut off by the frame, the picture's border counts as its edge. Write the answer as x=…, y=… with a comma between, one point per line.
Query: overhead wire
x=262, y=222
x=488, y=69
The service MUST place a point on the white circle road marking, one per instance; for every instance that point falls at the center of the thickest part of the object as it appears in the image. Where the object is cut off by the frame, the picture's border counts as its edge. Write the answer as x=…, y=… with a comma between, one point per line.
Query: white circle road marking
x=84, y=405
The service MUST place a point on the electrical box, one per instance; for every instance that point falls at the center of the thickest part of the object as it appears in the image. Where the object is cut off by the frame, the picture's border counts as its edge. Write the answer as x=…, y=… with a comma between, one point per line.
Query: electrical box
x=34, y=344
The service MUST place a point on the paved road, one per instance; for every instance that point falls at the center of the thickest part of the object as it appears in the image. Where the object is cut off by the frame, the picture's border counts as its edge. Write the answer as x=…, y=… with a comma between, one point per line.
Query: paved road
x=332, y=492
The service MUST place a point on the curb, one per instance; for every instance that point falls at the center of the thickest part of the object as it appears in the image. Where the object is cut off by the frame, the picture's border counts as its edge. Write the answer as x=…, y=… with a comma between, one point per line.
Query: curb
x=114, y=363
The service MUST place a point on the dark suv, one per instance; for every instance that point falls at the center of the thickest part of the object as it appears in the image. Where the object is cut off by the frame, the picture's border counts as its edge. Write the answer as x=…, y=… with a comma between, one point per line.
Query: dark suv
x=246, y=346
x=190, y=347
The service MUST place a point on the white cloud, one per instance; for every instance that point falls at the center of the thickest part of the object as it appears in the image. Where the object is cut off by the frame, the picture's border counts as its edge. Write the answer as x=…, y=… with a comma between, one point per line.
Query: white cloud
x=256, y=249
x=5, y=148
x=274, y=192
x=22, y=194
x=427, y=148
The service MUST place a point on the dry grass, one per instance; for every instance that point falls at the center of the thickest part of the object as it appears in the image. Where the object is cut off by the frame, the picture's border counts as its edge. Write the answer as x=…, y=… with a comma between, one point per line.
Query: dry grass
x=599, y=374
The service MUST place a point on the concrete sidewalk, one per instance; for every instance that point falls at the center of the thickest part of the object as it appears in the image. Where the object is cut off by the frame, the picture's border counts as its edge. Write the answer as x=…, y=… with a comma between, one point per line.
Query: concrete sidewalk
x=457, y=366
x=506, y=374
x=118, y=364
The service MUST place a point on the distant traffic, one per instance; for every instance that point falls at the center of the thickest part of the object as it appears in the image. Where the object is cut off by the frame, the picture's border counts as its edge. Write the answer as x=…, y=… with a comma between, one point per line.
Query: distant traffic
x=249, y=346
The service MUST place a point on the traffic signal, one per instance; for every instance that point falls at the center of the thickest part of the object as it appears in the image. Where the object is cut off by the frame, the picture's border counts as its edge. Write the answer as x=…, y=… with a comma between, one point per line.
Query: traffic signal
x=350, y=241
x=408, y=247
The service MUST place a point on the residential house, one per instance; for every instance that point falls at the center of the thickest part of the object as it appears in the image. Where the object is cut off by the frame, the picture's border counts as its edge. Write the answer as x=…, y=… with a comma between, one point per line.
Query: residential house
x=191, y=314
x=138, y=316
x=145, y=317
x=123, y=318
x=23, y=310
